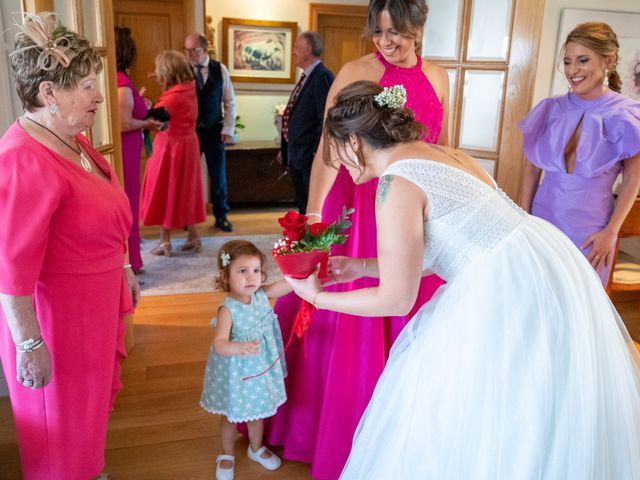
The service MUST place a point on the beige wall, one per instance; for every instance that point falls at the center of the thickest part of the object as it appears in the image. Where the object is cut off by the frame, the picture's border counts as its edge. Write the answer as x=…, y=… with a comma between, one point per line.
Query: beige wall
x=547, y=60
x=256, y=107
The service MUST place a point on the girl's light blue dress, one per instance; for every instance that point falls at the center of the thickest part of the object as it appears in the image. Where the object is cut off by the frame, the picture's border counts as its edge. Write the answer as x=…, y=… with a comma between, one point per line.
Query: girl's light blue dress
x=224, y=391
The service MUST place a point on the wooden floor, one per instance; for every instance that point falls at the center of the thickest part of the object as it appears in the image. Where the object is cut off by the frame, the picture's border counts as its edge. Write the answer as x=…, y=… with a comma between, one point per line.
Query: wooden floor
x=158, y=430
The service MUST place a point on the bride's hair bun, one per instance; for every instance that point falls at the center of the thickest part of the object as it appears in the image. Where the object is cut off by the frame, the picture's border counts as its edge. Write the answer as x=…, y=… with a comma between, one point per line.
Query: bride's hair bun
x=357, y=111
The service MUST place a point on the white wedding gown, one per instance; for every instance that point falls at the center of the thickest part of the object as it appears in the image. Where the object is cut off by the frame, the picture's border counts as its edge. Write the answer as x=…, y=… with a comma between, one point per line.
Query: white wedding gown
x=519, y=368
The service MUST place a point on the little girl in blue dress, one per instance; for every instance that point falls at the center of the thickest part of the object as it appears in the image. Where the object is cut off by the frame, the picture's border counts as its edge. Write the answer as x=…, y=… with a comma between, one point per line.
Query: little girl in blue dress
x=246, y=342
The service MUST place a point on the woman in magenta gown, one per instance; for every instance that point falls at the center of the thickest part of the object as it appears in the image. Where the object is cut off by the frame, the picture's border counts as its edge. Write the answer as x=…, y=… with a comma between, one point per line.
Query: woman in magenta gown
x=333, y=372
x=172, y=187
x=63, y=289
x=582, y=141
x=132, y=121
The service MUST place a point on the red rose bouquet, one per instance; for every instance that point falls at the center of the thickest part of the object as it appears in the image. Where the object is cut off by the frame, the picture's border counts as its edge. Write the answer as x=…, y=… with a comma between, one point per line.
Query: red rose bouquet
x=305, y=246
x=298, y=254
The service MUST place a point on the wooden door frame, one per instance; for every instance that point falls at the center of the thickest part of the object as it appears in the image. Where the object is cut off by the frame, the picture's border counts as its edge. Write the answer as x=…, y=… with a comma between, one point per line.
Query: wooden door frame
x=317, y=9
x=523, y=62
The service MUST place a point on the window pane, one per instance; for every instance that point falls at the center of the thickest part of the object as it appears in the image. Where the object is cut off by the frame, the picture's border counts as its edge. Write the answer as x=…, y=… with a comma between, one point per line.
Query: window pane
x=91, y=25
x=440, y=37
x=65, y=14
x=453, y=76
x=101, y=131
x=489, y=35
x=481, y=104
x=488, y=165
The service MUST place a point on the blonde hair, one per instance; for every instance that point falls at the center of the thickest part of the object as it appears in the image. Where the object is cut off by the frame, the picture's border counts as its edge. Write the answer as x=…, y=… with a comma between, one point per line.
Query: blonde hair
x=231, y=251
x=601, y=39
x=172, y=68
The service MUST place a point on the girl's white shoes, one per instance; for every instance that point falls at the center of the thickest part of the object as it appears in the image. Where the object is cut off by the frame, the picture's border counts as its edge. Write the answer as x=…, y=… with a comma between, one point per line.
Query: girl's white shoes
x=225, y=473
x=270, y=463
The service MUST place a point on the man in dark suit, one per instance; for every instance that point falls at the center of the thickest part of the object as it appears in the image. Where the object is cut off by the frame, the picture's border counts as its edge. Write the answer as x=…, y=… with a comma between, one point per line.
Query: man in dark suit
x=303, y=116
x=214, y=129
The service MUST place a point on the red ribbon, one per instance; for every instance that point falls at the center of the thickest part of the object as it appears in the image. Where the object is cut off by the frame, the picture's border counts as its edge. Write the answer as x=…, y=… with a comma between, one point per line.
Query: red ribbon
x=305, y=313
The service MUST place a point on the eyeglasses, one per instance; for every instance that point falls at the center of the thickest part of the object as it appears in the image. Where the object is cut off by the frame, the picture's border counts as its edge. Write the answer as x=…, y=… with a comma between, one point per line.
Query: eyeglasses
x=189, y=51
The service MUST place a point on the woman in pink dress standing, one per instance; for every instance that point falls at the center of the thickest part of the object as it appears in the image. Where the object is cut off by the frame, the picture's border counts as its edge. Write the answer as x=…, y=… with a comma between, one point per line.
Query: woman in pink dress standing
x=132, y=120
x=172, y=190
x=331, y=383
x=63, y=288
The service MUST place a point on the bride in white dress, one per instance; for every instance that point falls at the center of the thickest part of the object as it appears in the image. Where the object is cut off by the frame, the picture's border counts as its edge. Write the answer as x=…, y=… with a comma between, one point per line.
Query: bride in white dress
x=519, y=368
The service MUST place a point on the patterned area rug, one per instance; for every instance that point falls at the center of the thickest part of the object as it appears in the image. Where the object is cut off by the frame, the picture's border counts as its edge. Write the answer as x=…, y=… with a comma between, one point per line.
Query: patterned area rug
x=189, y=272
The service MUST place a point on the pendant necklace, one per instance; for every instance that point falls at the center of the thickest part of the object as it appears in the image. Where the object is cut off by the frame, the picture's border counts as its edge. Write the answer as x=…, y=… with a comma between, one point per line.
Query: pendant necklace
x=86, y=164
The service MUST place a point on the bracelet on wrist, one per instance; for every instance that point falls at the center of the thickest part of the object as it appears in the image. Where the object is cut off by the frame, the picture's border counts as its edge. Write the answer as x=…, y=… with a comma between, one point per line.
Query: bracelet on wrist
x=128, y=265
x=30, y=345
x=313, y=214
x=315, y=298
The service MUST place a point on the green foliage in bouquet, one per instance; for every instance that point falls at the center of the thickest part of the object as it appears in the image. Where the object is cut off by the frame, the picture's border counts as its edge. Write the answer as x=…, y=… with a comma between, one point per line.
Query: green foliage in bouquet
x=302, y=237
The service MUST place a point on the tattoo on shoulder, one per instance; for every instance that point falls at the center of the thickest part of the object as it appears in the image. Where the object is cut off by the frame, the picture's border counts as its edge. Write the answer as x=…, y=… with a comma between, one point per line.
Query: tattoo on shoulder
x=383, y=190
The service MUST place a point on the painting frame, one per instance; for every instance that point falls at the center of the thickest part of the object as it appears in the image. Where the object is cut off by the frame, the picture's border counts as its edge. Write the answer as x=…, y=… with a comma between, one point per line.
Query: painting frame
x=259, y=51
x=625, y=25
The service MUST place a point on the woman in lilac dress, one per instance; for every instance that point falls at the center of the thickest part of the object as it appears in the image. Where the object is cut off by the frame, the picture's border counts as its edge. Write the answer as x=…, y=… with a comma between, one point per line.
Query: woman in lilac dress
x=132, y=113
x=332, y=377
x=582, y=141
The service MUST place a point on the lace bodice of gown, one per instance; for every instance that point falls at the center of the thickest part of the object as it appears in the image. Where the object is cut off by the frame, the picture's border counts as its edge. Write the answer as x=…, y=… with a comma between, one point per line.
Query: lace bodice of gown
x=466, y=216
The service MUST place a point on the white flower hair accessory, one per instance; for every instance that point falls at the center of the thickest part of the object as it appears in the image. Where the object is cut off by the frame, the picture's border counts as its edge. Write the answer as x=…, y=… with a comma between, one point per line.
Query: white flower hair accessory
x=225, y=258
x=392, y=97
x=43, y=30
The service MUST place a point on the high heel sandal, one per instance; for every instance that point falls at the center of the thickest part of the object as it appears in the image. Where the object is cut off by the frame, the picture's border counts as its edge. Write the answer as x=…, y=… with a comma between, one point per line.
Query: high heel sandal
x=192, y=244
x=163, y=248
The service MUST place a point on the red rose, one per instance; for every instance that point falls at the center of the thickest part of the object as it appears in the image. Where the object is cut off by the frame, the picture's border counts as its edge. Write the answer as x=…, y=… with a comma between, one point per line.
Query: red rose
x=293, y=225
x=318, y=228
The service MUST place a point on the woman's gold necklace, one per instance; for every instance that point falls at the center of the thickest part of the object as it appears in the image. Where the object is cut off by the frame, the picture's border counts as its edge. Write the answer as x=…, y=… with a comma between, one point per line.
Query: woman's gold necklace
x=86, y=164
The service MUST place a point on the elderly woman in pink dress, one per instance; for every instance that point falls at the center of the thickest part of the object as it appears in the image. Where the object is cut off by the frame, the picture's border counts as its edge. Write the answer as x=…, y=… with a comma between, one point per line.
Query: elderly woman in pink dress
x=66, y=283
x=582, y=141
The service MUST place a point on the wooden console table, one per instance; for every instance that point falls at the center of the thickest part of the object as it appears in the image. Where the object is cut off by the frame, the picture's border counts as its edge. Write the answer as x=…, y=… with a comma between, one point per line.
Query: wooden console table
x=254, y=177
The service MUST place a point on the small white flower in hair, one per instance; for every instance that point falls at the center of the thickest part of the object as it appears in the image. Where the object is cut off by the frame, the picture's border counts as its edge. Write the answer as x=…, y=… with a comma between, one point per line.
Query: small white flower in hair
x=226, y=258
x=392, y=97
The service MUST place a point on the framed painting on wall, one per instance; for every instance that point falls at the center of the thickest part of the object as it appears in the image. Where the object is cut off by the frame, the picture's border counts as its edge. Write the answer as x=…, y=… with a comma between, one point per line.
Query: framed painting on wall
x=259, y=51
x=625, y=25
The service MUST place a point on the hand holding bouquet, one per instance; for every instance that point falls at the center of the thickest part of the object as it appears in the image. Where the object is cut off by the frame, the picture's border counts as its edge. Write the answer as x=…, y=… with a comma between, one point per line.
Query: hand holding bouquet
x=305, y=246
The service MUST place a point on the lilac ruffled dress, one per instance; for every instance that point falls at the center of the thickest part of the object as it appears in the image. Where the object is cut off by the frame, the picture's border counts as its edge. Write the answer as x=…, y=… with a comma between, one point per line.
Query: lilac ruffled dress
x=580, y=203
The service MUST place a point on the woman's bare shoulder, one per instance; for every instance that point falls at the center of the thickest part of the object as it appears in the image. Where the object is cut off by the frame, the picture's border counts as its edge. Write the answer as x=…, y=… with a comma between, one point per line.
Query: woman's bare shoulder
x=363, y=68
x=432, y=70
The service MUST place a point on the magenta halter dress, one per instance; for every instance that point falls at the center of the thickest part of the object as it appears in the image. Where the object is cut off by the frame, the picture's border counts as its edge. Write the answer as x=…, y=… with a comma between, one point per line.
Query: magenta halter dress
x=329, y=388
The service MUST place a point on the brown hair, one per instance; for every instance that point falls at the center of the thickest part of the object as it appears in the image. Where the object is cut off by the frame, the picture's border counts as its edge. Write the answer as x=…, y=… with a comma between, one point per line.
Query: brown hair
x=356, y=112
x=235, y=249
x=172, y=68
x=28, y=75
x=600, y=38
x=408, y=18
x=125, y=49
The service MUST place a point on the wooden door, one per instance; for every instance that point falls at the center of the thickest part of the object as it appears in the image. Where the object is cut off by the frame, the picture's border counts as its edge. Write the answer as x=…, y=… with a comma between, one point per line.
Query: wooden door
x=155, y=26
x=489, y=48
x=340, y=27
